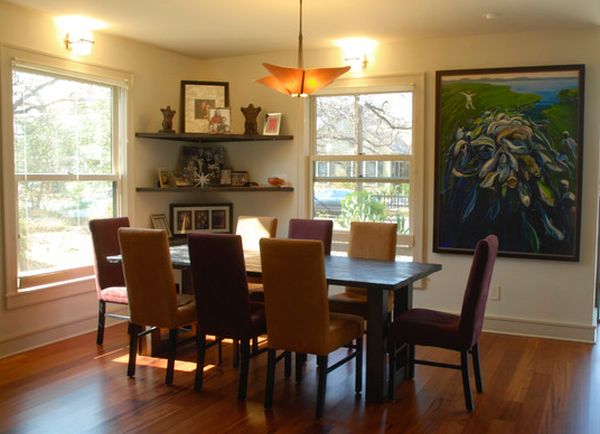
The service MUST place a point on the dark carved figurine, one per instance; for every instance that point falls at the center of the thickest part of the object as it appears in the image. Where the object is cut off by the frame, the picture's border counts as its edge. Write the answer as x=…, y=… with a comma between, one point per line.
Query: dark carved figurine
x=167, y=123
x=250, y=115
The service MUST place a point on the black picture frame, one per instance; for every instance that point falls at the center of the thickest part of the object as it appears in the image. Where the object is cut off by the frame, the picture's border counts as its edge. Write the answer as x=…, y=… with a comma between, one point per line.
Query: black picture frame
x=509, y=159
x=197, y=98
x=186, y=218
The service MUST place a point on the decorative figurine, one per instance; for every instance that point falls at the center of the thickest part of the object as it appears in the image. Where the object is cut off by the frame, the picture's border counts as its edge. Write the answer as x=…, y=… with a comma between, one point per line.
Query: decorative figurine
x=167, y=123
x=250, y=115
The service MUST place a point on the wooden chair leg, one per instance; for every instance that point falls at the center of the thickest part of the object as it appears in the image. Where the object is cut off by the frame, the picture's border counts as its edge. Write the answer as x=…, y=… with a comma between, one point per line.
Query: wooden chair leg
x=299, y=364
x=200, y=355
x=171, y=356
x=270, y=379
x=101, y=321
x=133, y=339
x=219, y=350
x=359, y=364
x=245, y=353
x=411, y=362
x=464, y=363
x=477, y=368
x=391, y=370
x=255, y=345
x=287, y=364
x=322, y=384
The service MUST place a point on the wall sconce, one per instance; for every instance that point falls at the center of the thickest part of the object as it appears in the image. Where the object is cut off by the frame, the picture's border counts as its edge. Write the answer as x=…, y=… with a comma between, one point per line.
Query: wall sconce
x=357, y=52
x=79, y=43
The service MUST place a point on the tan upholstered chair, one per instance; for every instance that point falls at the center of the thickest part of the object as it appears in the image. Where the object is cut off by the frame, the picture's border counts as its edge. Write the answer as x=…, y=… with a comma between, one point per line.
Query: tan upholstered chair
x=153, y=300
x=298, y=318
x=252, y=229
x=367, y=241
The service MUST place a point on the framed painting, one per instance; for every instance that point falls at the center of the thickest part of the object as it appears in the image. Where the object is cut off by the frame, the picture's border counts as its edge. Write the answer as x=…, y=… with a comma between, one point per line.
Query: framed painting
x=508, y=160
x=197, y=99
x=187, y=218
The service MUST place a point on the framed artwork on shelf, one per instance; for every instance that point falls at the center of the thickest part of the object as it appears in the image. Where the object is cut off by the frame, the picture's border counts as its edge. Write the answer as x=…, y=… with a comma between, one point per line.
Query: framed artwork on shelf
x=219, y=120
x=187, y=218
x=272, y=124
x=508, y=160
x=197, y=99
x=239, y=179
x=225, y=177
x=164, y=178
x=159, y=221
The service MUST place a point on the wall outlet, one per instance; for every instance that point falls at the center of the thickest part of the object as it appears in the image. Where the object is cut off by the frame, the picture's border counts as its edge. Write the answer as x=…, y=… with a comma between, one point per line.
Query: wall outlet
x=495, y=293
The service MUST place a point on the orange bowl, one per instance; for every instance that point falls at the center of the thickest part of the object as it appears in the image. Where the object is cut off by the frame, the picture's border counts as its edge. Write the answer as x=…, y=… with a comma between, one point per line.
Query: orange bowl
x=275, y=181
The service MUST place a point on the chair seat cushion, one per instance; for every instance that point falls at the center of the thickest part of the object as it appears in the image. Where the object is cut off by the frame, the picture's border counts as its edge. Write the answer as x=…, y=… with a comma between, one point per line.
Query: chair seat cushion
x=427, y=327
x=343, y=329
x=114, y=294
x=256, y=292
x=257, y=320
x=186, y=311
x=353, y=301
x=183, y=299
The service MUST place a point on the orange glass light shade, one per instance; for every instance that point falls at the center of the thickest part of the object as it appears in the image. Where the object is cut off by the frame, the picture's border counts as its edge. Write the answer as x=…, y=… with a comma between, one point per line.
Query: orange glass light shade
x=299, y=81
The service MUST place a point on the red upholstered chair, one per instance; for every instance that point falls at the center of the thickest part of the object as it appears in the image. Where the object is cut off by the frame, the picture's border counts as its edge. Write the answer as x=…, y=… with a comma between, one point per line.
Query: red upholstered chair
x=307, y=229
x=222, y=303
x=444, y=330
x=110, y=283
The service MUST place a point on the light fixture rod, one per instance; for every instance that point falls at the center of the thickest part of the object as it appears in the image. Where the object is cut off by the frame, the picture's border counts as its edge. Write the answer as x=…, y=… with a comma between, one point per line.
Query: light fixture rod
x=300, y=49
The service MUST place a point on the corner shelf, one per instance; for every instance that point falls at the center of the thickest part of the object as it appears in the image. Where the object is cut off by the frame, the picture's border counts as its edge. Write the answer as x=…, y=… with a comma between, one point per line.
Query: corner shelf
x=212, y=138
x=210, y=189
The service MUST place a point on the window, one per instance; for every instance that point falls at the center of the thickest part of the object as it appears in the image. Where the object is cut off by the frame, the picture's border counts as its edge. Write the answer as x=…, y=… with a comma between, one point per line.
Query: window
x=64, y=148
x=365, y=159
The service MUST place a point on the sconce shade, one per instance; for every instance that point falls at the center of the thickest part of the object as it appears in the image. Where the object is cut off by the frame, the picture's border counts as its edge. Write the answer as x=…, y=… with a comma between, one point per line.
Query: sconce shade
x=299, y=81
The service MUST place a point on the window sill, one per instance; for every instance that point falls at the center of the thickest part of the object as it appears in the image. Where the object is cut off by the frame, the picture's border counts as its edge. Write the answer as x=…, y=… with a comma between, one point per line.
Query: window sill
x=50, y=292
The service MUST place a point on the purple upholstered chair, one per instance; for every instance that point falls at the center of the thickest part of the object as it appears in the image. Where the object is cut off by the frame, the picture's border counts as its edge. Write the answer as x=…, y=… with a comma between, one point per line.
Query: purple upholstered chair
x=307, y=229
x=453, y=332
x=223, y=306
x=110, y=283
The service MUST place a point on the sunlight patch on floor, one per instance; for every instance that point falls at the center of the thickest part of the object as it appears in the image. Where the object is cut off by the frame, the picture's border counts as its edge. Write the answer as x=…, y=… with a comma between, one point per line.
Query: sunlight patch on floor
x=155, y=362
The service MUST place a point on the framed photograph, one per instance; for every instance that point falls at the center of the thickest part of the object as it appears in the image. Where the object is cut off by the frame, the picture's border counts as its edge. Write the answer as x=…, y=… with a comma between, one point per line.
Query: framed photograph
x=164, y=178
x=219, y=121
x=201, y=165
x=239, y=179
x=186, y=218
x=272, y=124
x=159, y=221
x=197, y=99
x=509, y=146
x=225, y=177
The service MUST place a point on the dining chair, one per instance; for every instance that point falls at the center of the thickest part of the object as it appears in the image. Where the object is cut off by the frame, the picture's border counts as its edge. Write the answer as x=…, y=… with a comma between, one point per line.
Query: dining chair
x=439, y=329
x=309, y=229
x=298, y=317
x=222, y=303
x=110, y=283
x=253, y=228
x=153, y=299
x=367, y=241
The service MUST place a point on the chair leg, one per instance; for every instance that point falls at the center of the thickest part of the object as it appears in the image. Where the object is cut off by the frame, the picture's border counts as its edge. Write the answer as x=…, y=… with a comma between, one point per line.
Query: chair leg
x=133, y=339
x=236, y=353
x=299, y=363
x=411, y=362
x=200, y=355
x=220, y=351
x=359, y=364
x=287, y=364
x=255, y=345
x=270, y=379
x=245, y=353
x=464, y=363
x=477, y=368
x=391, y=370
x=101, y=319
x=171, y=356
x=322, y=386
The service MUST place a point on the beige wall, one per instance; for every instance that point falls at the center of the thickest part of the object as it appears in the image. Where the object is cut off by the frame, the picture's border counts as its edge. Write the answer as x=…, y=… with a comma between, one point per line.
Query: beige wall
x=538, y=297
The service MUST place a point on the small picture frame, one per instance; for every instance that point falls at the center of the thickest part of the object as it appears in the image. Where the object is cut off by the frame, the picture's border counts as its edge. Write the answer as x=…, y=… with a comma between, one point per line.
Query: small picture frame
x=219, y=120
x=272, y=124
x=186, y=218
x=164, y=178
x=225, y=177
x=197, y=98
x=159, y=221
x=239, y=179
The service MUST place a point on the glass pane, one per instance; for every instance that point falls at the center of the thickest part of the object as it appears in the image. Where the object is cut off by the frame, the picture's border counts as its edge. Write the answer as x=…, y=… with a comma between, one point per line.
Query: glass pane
x=386, y=169
x=386, y=123
x=345, y=202
x=335, y=129
x=53, y=222
x=61, y=125
x=335, y=169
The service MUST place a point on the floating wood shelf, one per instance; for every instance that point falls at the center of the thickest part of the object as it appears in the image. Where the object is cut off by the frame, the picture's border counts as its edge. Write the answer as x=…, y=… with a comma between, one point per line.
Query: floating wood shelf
x=211, y=138
x=210, y=189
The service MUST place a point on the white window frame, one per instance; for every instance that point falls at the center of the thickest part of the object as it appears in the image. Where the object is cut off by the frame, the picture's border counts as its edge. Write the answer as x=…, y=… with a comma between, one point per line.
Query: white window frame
x=63, y=283
x=413, y=243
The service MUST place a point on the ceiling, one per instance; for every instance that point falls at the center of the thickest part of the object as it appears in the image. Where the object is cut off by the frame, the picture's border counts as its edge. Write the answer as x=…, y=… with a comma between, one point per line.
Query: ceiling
x=208, y=29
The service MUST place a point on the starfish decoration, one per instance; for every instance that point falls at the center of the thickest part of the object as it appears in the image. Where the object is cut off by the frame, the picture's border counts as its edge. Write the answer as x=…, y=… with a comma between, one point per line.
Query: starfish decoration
x=202, y=180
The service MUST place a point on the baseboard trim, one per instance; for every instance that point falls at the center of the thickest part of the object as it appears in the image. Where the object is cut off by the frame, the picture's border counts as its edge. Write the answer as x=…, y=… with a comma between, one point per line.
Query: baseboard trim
x=558, y=330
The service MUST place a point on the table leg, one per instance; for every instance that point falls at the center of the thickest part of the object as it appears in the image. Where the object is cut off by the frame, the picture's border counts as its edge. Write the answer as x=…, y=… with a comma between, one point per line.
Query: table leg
x=376, y=378
x=402, y=302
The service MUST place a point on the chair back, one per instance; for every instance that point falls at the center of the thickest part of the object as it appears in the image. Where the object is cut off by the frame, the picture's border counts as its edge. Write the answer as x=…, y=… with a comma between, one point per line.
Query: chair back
x=105, y=239
x=219, y=276
x=149, y=276
x=295, y=288
x=307, y=229
x=252, y=229
x=476, y=293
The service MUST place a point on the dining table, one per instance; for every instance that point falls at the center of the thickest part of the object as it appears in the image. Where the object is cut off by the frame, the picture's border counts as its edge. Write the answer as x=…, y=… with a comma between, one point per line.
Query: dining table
x=377, y=277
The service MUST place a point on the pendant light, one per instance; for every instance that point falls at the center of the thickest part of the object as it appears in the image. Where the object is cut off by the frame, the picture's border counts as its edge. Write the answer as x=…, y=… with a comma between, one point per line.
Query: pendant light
x=299, y=81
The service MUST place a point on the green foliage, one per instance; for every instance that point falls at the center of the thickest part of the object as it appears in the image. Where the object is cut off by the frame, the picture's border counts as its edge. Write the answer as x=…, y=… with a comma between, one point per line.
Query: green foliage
x=361, y=206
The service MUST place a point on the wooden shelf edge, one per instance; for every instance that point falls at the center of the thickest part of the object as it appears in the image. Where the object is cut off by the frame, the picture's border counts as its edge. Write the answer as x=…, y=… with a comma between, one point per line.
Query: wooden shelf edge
x=210, y=189
x=212, y=138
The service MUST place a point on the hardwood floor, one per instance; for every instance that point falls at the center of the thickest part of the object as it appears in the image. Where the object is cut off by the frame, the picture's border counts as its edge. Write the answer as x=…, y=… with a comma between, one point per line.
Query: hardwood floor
x=530, y=386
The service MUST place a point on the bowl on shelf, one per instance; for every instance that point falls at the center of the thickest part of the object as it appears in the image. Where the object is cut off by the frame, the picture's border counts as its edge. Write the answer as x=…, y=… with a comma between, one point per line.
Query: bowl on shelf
x=275, y=181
